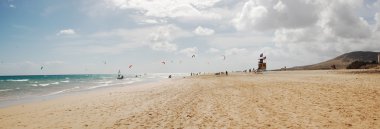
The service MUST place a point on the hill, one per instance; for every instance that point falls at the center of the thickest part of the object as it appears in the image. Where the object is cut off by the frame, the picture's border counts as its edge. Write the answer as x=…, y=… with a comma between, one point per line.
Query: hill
x=342, y=61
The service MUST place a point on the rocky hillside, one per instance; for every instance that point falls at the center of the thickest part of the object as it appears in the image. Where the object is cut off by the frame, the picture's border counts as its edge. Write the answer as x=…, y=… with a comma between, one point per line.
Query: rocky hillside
x=342, y=61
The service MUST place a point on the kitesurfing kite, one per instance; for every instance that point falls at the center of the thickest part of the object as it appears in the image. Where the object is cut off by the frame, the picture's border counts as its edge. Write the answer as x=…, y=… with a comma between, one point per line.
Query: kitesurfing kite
x=163, y=62
x=224, y=57
x=130, y=66
x=42, y=67
x=193, y=56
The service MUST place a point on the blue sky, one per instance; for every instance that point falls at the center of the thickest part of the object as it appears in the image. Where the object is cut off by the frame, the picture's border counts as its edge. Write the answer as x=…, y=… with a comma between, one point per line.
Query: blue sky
x=78, y=36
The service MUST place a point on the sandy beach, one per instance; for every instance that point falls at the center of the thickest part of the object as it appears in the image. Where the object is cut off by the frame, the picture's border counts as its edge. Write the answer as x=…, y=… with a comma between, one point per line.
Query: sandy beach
x=284, y=99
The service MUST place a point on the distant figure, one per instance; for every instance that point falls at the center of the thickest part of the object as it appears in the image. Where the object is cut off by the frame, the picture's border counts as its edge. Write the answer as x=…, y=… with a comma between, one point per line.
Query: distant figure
x=170, y=76
x=250, y=70
x=333, y=66
x=226, y=73
x=120, y=77
x=285, y=68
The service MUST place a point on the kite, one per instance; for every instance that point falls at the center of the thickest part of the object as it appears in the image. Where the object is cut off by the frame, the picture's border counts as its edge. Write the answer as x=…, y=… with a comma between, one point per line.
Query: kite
x=163, y=62
x=130, y=66
x=224, y=57
x=42, y=67
x=261, y=55
x=193, y=56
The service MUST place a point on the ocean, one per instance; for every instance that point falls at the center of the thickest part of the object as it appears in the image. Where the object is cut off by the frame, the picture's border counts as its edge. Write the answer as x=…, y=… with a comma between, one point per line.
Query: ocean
x=17, y=89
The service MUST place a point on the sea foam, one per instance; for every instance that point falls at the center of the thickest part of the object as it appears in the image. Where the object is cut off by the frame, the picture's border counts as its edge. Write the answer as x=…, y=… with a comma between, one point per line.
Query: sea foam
x=62, y=91
x=17, y=80
x=3, y=90
x=44, y=84
x=55, y=83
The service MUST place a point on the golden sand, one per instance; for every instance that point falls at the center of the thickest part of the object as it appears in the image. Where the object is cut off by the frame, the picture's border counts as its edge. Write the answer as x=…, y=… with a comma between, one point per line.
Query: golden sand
x=294, y=99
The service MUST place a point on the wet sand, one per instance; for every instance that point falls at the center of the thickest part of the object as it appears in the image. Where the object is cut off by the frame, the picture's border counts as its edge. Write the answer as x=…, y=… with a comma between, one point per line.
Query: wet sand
x=284, y=99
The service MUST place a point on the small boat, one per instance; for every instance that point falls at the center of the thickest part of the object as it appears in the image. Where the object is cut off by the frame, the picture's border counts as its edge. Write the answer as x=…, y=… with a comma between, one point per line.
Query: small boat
x=119, y=76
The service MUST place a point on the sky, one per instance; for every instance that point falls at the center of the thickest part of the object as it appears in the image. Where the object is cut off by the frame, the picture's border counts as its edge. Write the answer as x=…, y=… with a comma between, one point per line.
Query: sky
x=104, y=36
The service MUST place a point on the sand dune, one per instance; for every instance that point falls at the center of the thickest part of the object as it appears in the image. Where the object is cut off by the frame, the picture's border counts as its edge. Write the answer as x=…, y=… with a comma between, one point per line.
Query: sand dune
x=294, y=99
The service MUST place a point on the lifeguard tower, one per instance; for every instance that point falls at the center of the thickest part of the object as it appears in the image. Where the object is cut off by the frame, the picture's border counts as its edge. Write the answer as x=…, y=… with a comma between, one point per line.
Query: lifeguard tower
x=262, y=65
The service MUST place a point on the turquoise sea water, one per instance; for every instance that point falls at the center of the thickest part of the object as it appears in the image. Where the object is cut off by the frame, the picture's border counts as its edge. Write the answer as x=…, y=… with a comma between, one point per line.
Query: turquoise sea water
x=15, y=88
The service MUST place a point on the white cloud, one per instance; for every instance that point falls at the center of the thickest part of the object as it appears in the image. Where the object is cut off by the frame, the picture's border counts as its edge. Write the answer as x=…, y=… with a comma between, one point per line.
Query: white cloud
x=309, y=27
x=162, y=38
x=117, y=41
x=251, y=14
x=377, y=19
x=153, y=21
x=55, y=62
x=164, y=46
x=66, y=32
x=12, y=6
x=213, y=50
x=264, y=14
x=203, y=31
x=190, y=51
x=289, y=32
x=235, y=51
x=168, y=8
x=341, y=19
x=279, y=6
x=238, y=39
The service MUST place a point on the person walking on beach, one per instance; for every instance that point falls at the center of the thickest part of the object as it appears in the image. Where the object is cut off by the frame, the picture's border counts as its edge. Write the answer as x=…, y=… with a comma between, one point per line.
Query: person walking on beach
x=226, y=73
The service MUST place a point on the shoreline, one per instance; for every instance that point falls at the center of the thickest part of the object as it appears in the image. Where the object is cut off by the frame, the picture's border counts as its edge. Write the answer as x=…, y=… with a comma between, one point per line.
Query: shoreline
x=51, y=96
x=303, y=99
